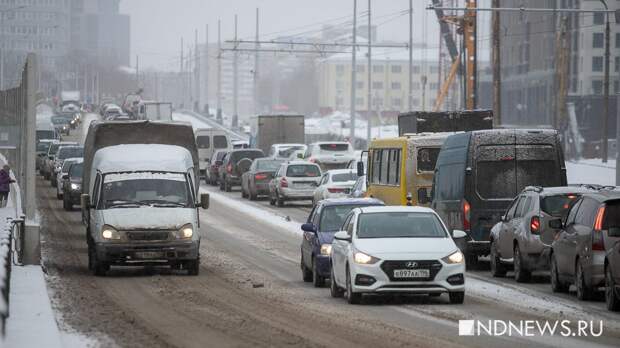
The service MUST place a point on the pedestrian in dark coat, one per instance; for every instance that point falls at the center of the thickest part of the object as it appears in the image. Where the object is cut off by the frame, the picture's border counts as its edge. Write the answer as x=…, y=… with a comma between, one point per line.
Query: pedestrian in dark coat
x=5, y=184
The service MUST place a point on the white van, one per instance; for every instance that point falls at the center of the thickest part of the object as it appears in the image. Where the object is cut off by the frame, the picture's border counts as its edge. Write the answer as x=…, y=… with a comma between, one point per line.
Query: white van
x=208, y=141
x=142, y=209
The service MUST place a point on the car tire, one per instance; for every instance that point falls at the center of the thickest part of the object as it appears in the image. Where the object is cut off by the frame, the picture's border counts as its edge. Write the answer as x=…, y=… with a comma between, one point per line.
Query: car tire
x=317, y=280
x=280, y=200
x=522, y=275
x=457, y=297
x=556, y=284
x=497, y=268
x=243, y=194
x=58, y=193
x=584, y=292
x=272, y=201
x=334, y=289
x=98, y=267
x=193, y=267
x=65, y=204
x=53, y=181
x=612, y=300
x=227, y=186
x=253, y=195
x=306, y=274
x=352, y=297
x=221, y=185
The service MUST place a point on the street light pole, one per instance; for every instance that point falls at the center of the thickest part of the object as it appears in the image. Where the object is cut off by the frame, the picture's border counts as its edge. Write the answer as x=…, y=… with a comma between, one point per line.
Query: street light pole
x=604, y=152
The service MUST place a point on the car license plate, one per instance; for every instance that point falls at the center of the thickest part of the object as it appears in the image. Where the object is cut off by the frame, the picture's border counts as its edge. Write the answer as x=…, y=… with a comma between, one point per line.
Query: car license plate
x=149, y=255
x=411, y=273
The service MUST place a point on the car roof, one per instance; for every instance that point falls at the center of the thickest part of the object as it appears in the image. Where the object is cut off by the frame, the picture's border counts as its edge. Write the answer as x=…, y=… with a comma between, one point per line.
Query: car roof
x=246, y=149
x=351, y=201
x=609, y=193
x=396, y=209
x=329, y=142
x=557, y=190
x=340, y=171
x=290, y=163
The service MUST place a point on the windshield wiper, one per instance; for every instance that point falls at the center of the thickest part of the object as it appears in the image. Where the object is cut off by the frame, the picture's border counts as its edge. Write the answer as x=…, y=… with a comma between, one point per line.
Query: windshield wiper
x=120, y=203
x=162, y=202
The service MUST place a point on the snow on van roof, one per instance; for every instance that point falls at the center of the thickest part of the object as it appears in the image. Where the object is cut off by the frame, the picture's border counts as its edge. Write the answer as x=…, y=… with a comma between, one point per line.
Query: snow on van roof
x=143, y=175
x=142, y=157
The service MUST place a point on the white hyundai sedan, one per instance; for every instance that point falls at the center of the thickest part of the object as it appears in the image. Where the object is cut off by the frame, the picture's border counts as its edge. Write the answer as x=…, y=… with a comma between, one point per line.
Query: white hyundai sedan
x=396, y=250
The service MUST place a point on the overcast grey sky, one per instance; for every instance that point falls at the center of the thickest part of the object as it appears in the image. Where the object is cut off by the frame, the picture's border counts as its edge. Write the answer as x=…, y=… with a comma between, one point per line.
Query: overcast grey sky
x=158, y=25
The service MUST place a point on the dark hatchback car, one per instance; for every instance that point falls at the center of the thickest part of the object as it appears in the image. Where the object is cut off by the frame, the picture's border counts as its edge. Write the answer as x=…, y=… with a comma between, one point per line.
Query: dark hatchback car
x=72, y=186
x=583, y=248
x=234, y=164
x=478, y=174
x=255, y=182
x=212, y=174
x=324, y=221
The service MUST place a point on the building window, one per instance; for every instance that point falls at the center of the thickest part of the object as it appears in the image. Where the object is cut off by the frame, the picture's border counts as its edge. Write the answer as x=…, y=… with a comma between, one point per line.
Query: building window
x=396, y=85
x=359, y=101
x=340, y=69
x=598, y=40
x=616, y=64
x=377, y=69
x=339, y=85
x=415, y=86
x=617, y=40
x=359, y=84
x=597, y=63
x=599, y=18
x=597, y=86
x=397, y=69
x=434, y=69
x=616, y=86
x=397, y=102
x=434, y=85
x=360, y=68
x=415, y=69
x=415, y=101
x=339, y=101
x=377, y=85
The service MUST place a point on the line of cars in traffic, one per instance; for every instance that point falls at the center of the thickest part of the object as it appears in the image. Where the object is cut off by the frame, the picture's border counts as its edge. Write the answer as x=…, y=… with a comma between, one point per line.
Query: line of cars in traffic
x=61, y=163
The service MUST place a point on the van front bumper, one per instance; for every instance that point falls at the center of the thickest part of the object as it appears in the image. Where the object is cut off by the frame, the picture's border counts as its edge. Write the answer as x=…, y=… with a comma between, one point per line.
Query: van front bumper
x=141, y=253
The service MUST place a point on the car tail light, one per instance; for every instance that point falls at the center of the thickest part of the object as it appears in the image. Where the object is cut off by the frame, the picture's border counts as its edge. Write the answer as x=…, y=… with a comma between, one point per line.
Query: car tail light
x=335, y=190
x=597, y=234
x=260, y=176
x=535, y=225
x=229, y=168
x=283, y=182
x=466, y=215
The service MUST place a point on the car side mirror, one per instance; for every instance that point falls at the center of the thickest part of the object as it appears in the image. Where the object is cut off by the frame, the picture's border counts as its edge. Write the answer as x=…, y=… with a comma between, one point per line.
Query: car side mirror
x=204, y=201
x=308, y=227
x=614, y=232
x=556, y=224
x=360, y=168
x=343, y=236
x=423, y=195
x=85, y=201
x=458, y=234
x=65, y=176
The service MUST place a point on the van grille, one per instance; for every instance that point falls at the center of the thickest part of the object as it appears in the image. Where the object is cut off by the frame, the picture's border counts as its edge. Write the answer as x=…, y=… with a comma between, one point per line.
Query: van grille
x=148, y=235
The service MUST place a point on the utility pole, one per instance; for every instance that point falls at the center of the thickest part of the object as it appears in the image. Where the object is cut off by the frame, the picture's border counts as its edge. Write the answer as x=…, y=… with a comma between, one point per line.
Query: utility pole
x=181, y=78
x=497, y=71
x=410, y=89
x=137, y=71
x=257, y=47
x=562, y=70
x=197, y=72
x=369, y=96
x=235, y=119
x=207, y=72
x=604, y=153
x=353, y=73
x=218, y=116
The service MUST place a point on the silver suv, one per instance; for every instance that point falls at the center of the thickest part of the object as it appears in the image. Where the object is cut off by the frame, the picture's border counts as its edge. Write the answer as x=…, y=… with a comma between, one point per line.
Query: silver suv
x=295, y=180
x=523, y=237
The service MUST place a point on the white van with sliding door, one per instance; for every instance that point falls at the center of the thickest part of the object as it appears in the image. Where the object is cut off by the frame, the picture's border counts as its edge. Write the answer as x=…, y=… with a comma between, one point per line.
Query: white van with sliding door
x=208, y=141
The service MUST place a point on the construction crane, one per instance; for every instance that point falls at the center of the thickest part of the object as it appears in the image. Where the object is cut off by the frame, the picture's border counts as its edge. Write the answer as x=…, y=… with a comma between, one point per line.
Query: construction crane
x=466, y=26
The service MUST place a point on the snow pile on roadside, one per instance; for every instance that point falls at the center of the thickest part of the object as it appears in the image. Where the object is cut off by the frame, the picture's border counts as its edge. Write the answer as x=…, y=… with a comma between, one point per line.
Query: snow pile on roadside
x=333, y=124
x=591, y=171
x=265, y=216
x=196, y=123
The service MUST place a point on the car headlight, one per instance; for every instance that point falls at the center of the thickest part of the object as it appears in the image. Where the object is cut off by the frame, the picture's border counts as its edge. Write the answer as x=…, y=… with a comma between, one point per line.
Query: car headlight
x=361, y=258
x=326, y=249
x=109, y=232
x=455, y=257
x=185, y=232
x=75, y=186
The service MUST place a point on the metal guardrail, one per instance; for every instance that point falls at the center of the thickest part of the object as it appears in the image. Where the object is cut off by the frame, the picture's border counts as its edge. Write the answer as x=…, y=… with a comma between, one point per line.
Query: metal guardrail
x=11, y=246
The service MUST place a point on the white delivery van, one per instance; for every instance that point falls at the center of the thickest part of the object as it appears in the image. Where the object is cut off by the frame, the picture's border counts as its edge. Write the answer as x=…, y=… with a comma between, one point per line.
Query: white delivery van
x=208, y=141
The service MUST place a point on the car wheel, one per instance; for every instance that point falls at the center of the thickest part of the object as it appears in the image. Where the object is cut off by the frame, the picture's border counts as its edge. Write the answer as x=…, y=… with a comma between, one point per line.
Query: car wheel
x=272, y=201
x=280, y=200
x=193, y=267
x=334, y=289
x=98, y=267
x=53, y=181
x=471, y=260
x=243, y=194
x=221, y=185
x=306, y=273
x=352, y=297
x=227, y=186
x=612, y=300
x=497, y=268
x=253, y=195
x=556, y=283
x=58, y=193
x=457, y=297
x=521, y=274
x=584, y=292
x=318, y=281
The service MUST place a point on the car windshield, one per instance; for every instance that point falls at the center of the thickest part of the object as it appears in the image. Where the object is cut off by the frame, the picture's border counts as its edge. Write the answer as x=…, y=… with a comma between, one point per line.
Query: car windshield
x=220, y=142
x=76, y=170
x=427, y=158
x=268, y=165
x=60, y=120
x=52, y=150
x=399, y=225
x=66, y=165
x=286, y=152
x=145, y=188
x=334, y=147
x=303, y=170
x=344, y=177
x=203, y=141
x=333, y=216
x=43, y=147
x=68, y=152
x=559, y=205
